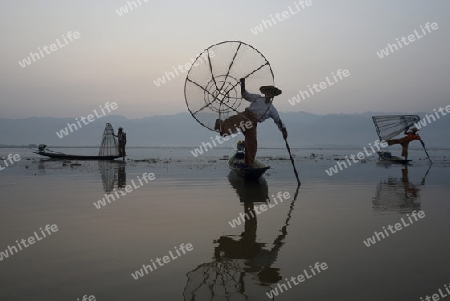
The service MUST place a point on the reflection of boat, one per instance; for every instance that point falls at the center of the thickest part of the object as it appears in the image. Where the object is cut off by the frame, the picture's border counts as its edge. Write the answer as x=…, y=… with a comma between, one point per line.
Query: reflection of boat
x=108, y=149
x=236, y=164
x=57, y=155
x=387, y=157
x=254, y=191
x=398, y=195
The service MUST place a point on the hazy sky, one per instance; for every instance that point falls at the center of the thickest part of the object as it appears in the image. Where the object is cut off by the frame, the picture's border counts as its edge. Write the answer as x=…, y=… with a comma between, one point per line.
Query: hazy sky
x=118, y=58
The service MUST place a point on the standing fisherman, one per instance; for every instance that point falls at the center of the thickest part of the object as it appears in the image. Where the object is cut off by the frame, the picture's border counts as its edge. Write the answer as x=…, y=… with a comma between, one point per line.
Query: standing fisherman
x=259, y=110
x=122, y=137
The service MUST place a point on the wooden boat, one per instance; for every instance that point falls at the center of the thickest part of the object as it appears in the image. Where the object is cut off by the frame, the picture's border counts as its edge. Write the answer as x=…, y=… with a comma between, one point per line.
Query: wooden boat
x=387, y=157
x=58, y=155
x=108, y=149
x=236, y=164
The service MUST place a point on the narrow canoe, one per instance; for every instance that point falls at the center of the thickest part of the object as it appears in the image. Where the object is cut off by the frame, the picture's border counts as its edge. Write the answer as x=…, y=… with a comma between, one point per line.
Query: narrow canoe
x=236, y=164
x=387, y=157
x=74, y=157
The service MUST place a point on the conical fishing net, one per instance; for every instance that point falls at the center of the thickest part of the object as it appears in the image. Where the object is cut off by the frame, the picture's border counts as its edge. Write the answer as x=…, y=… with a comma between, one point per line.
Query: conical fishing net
x=212, y=87
x=390, y=126
x=109, y=146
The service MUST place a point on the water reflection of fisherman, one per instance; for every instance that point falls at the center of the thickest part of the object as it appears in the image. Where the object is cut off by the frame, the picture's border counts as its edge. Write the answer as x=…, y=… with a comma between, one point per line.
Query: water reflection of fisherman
x=122, y=177
x=398, y=194
x=411, y=190
x=258, y=260
x=239, y=259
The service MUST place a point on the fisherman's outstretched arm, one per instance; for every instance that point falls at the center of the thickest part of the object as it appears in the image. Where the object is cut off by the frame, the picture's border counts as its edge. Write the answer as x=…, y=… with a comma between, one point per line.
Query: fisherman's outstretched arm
x=247, y=96
x=276, y=118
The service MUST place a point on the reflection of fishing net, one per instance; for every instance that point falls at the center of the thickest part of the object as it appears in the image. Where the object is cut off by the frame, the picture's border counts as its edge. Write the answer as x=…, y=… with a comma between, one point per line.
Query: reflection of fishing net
x=212, y=90
x=113, y=172
x=109, y=146
x=217, y=280
x=109, y=175
x=391, y=125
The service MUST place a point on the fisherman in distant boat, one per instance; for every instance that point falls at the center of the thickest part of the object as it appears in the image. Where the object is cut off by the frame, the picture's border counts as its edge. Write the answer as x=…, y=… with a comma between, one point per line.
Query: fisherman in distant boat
x=260, y=109
x=122, y=137
x=404, y=142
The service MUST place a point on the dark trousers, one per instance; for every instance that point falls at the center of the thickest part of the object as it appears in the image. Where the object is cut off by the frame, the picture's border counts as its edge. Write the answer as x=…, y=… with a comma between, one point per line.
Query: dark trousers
x=403, y=142
x=231, y=125
x=122, y=148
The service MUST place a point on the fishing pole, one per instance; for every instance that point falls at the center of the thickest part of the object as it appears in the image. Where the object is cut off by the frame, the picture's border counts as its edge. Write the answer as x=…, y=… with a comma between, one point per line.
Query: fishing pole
x=292, y=161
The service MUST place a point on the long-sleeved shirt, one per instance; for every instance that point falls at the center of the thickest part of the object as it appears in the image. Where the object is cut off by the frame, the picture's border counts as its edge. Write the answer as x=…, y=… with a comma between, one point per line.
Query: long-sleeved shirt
x=262, y=109
x=122, y=136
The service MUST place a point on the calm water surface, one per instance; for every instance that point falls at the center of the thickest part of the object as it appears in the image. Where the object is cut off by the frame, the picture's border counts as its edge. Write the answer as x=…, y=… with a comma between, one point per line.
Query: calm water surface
x=192, y=200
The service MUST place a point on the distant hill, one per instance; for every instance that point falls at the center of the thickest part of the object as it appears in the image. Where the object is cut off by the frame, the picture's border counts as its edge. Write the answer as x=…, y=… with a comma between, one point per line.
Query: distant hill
x=305, y=131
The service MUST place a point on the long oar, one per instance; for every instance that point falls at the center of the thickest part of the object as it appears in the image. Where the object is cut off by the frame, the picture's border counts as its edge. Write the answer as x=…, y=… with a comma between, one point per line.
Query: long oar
x=423, y=144
x=292, y=161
